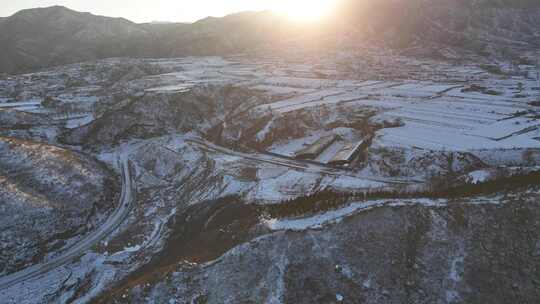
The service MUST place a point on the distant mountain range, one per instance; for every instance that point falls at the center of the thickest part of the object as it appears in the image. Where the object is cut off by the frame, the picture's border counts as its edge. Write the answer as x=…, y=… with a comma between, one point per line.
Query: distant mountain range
x=42, y=37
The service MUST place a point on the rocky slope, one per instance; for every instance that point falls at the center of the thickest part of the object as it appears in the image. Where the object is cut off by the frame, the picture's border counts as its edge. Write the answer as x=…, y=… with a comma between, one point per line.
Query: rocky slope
x=158, y=114
x=47, y=196
x=28, y=126
x=457, y=253
x=13, y=119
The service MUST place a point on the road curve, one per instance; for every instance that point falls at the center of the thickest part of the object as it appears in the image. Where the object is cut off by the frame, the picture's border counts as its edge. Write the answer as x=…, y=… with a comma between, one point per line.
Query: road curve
x=117, y=217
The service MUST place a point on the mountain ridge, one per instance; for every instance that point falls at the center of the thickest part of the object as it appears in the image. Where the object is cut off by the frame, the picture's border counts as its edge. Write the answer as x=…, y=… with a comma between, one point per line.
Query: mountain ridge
x=44, y=37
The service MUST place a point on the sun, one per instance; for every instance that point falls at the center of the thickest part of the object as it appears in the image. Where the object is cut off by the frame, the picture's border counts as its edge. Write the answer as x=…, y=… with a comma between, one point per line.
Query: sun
x=306, y=10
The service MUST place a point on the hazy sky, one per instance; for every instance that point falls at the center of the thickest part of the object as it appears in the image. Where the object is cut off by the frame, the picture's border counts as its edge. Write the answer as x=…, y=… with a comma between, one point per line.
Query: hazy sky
x=171, y=10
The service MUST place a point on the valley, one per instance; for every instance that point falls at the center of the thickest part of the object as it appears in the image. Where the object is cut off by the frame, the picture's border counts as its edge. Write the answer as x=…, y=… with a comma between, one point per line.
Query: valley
x=390, y=154
x=240, y=136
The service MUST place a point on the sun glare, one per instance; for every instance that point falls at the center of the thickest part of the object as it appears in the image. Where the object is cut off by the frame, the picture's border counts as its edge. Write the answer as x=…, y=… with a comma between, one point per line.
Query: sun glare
x=306, y=10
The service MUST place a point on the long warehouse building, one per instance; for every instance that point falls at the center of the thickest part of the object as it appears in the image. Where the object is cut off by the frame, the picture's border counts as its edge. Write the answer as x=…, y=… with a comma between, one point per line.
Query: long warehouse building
x=313, y=150
x=348, y=153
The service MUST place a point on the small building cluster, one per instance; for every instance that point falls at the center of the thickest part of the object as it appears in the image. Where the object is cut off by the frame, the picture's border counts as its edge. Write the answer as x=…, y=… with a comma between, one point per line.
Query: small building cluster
x=344, y=156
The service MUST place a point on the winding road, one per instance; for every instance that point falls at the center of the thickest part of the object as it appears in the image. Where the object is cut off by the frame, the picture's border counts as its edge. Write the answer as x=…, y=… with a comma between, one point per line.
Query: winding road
x=125, y=205
x=117, y=217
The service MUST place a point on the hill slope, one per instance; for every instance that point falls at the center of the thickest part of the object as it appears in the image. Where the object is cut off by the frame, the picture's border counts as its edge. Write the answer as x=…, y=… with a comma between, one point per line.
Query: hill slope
x=464, y=24
x=47, y=195
x=43, y=37
x=56, y=35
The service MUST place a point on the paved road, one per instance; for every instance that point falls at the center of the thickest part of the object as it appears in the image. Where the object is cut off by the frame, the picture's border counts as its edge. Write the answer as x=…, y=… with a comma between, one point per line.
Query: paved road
x=295, y=164
x=120, y=213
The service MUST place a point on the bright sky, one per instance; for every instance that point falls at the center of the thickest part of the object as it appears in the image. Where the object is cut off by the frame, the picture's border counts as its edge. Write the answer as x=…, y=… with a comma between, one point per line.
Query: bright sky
x=177, y=10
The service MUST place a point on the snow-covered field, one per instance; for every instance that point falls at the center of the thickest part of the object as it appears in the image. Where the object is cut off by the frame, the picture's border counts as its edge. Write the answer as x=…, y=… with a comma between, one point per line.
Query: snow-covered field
x=442, y=108
x=436, y=116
